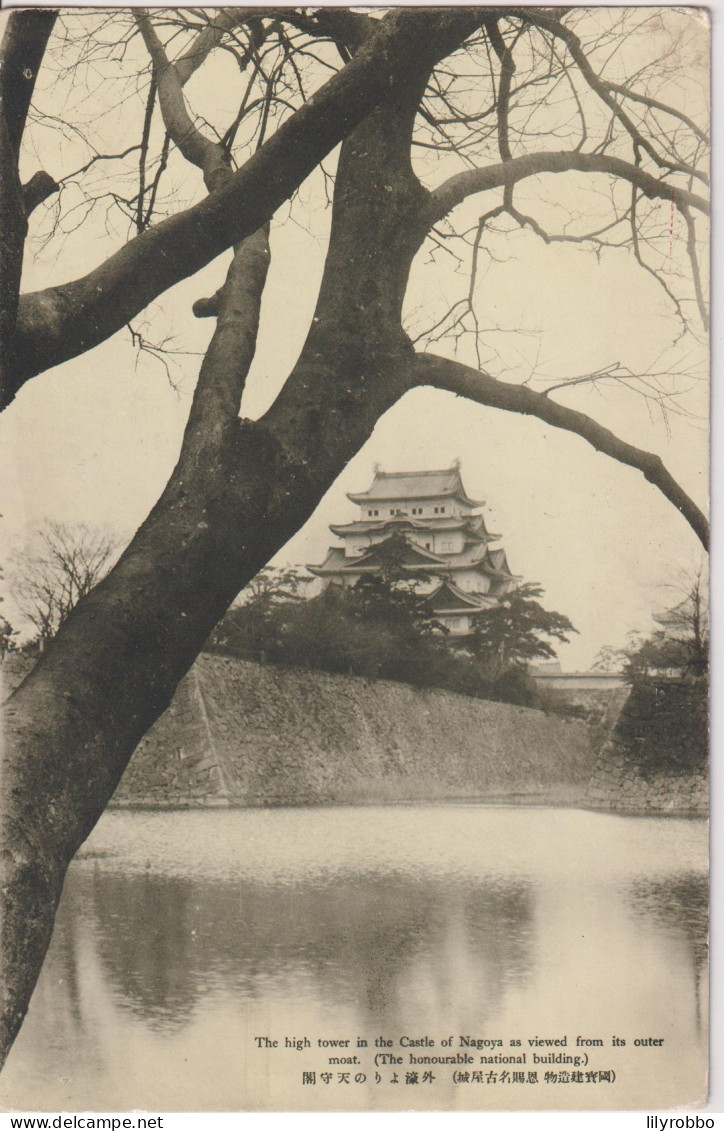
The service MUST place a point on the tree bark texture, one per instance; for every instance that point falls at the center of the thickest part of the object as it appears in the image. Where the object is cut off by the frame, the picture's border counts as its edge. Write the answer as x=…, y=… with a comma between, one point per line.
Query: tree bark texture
x=21, y=53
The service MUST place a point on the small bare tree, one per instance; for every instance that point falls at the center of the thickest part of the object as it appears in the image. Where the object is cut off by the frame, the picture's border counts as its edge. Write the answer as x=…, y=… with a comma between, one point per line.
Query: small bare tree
x=686, y=623
x=59, y=564
x=679, y=646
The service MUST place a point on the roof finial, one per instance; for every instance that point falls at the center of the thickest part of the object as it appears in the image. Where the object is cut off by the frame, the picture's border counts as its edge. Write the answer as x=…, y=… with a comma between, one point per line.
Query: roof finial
x=377, y=468
x=457, y=463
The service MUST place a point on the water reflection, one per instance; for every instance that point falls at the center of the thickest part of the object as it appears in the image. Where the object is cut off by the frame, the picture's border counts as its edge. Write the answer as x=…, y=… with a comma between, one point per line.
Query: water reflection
x=679, y=907
x=166, y=943
x=182, y=935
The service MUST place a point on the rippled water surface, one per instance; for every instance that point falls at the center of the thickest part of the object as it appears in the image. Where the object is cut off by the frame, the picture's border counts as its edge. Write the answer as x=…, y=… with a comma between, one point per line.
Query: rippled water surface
x=184, y=936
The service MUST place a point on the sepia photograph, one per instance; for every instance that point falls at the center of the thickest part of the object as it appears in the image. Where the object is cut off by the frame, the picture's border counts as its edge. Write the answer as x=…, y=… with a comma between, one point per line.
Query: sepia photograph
x=354, y=587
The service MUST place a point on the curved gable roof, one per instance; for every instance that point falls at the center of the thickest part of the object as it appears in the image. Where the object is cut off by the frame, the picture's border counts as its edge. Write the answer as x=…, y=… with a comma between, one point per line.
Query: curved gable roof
x=449, y=596
x=388, y=486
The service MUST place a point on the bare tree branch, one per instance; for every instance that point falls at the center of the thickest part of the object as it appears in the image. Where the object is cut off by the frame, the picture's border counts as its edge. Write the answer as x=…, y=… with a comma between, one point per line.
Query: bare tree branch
x=210, y=37
x=37, y=190
x=61, y=322
x=230, y=354
x=465, y=381
x=604, y=89
x=458, y=187
x=655, y=104
x=199, y=150
x=143, y=155
x=695, y=269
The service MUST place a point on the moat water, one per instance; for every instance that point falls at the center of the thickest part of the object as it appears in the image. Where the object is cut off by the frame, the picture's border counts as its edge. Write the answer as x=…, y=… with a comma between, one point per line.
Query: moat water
x=183, y=937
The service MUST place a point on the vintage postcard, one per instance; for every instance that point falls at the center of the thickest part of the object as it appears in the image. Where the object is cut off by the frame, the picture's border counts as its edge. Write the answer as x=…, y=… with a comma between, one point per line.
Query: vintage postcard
x=354, y=389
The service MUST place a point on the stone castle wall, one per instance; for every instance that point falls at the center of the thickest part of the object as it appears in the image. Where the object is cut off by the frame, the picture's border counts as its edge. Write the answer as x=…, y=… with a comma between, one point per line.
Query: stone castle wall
x=599, y=707
x=239, y=733
x=245, y=734
x=656, y=758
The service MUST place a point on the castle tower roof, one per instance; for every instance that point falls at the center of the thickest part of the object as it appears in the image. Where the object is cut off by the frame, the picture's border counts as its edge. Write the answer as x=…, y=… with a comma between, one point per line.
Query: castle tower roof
x=473, y=526
x=449, y=598
x=415, y=558
x=388, y=486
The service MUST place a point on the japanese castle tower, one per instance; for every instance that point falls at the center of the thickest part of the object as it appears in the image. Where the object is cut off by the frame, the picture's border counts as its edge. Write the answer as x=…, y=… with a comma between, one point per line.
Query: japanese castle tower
x=444, y=535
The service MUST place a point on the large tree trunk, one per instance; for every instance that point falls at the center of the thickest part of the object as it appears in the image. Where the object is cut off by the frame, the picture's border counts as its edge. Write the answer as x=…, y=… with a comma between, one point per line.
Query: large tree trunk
x=21, y=53
x=238, y=493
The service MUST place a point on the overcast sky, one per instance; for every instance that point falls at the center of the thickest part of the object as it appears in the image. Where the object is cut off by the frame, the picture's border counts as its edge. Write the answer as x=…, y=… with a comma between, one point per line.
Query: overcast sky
x=96, y=439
